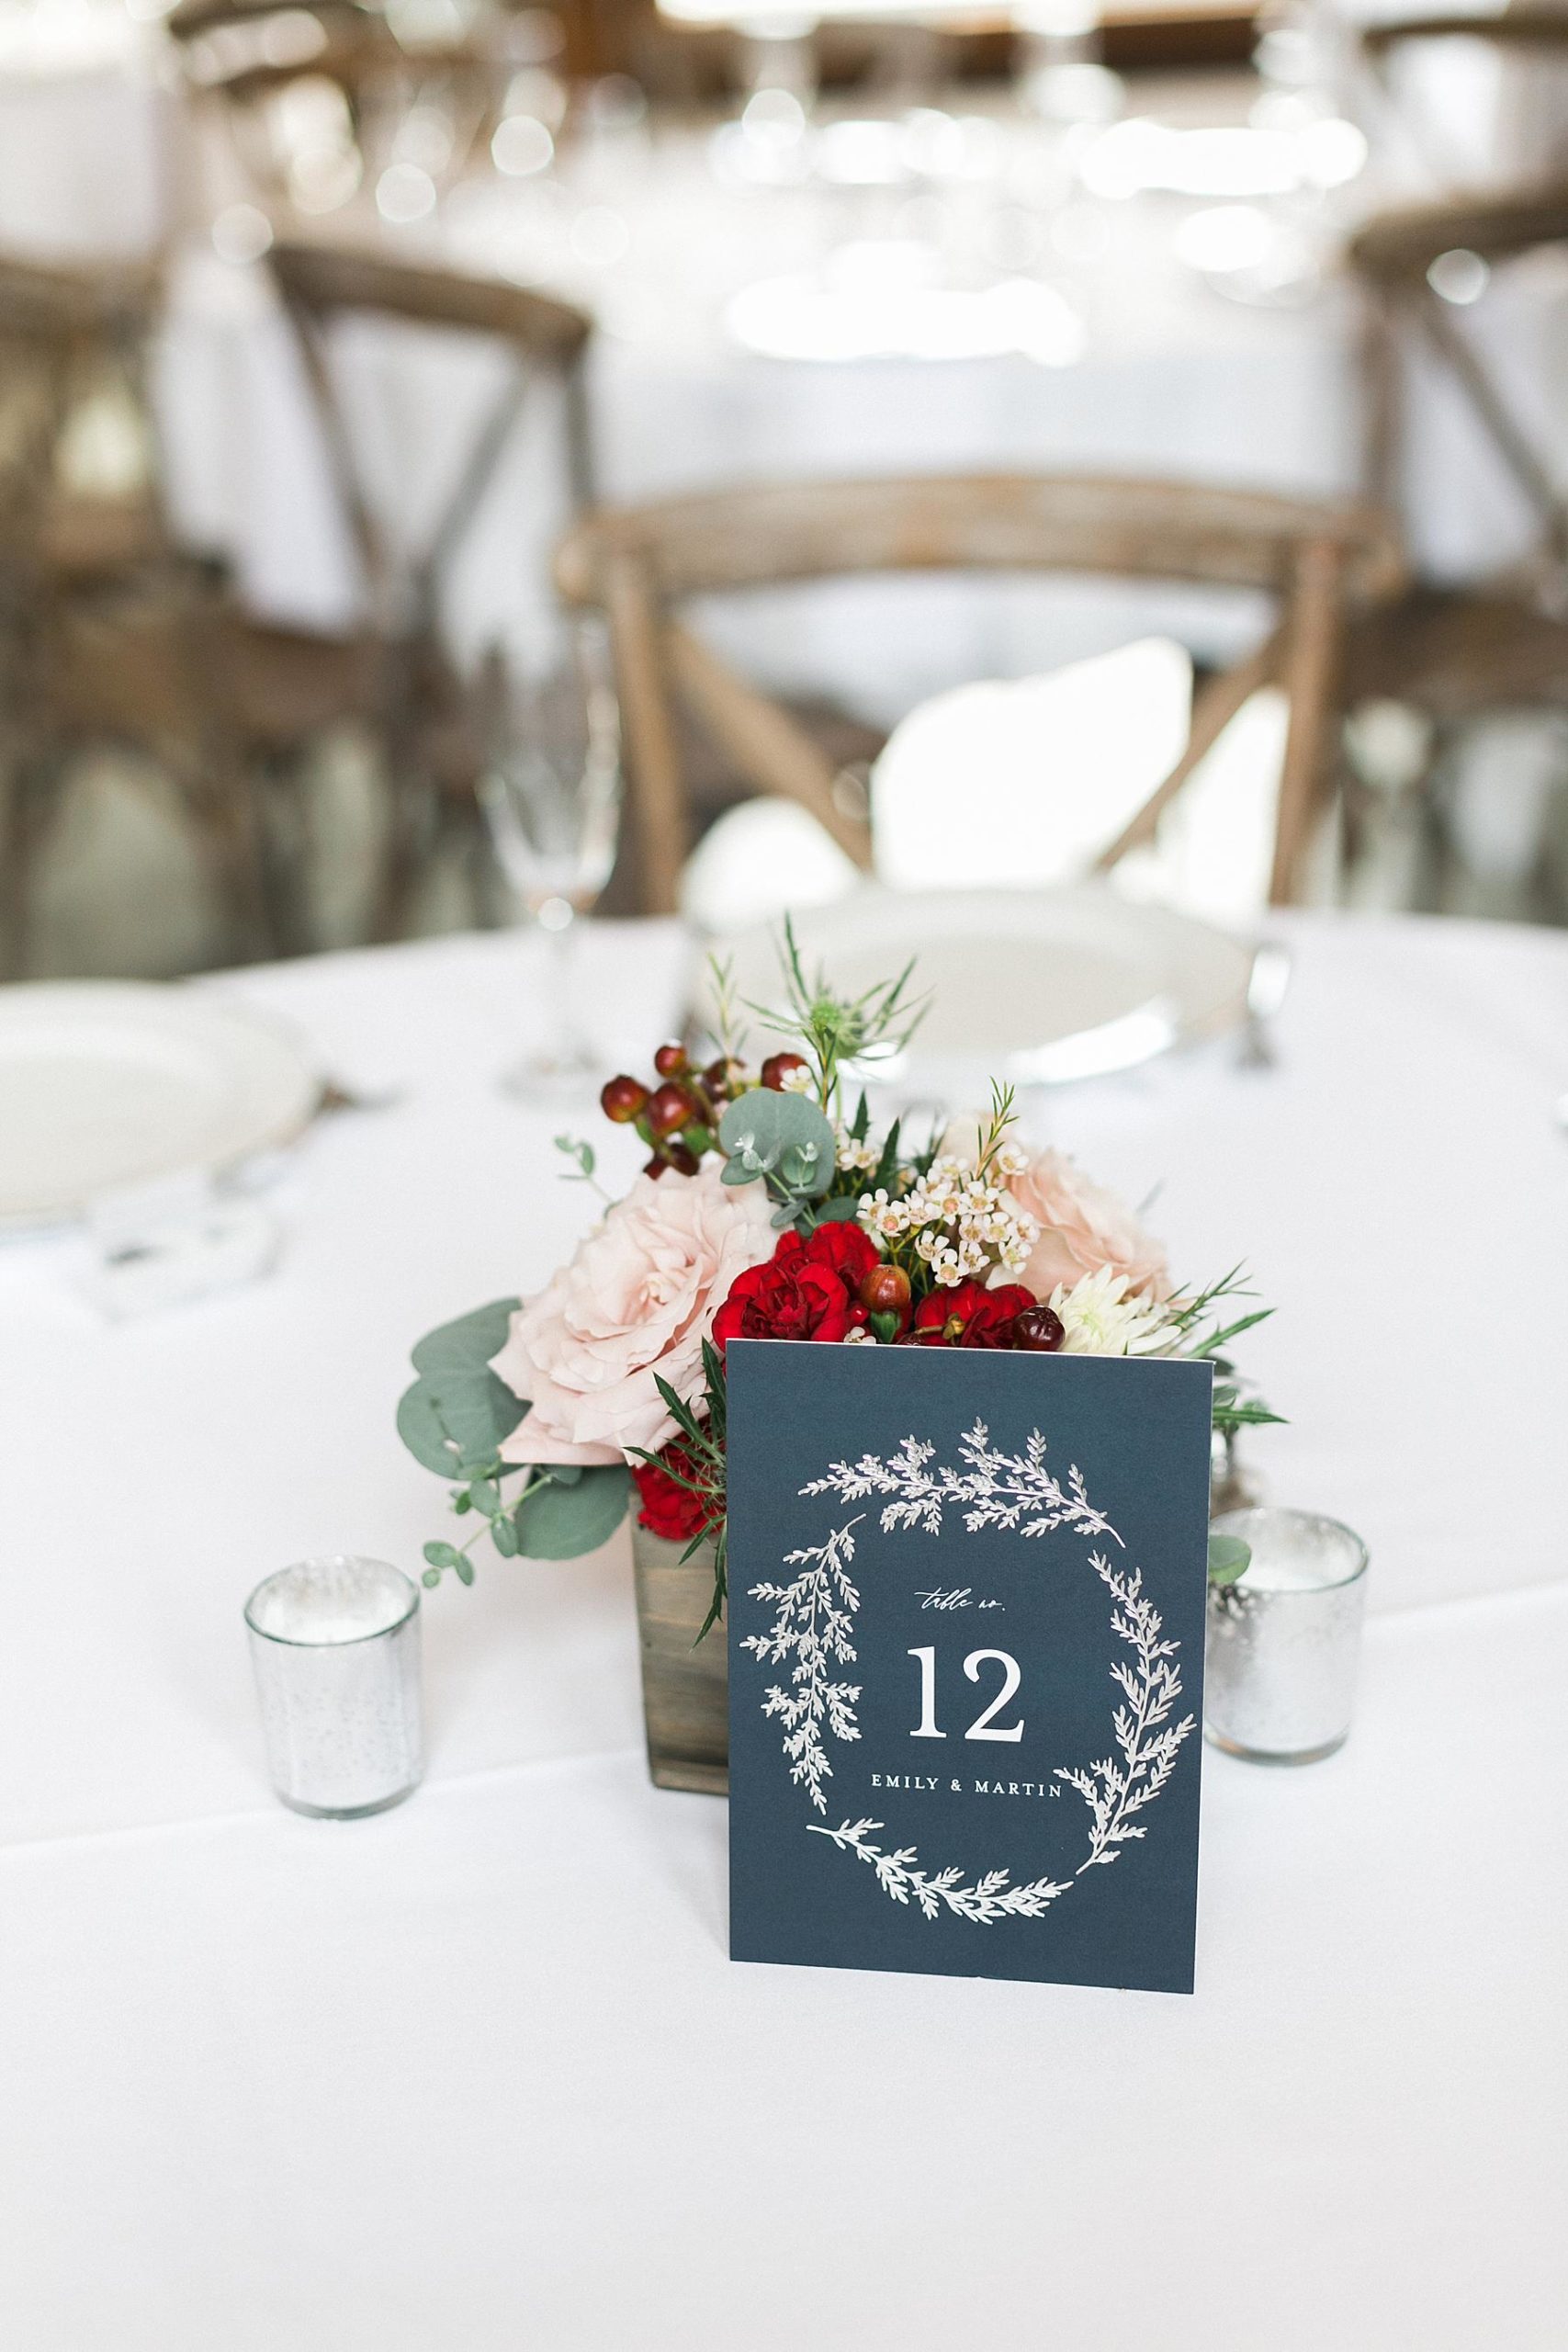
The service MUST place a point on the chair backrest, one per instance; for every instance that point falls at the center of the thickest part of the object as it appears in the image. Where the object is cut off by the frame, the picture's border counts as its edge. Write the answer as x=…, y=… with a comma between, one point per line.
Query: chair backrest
x=1520, y=38
x=319, y=284
x=242, y=52
x=1397, y=257
x=636, y=564
x=239, y=57
x=72, y=355
x=1516, y=29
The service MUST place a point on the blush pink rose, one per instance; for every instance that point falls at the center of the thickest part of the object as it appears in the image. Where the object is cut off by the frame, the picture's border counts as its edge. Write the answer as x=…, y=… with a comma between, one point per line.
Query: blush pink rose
x=1083, y=1227
x=638, y=1299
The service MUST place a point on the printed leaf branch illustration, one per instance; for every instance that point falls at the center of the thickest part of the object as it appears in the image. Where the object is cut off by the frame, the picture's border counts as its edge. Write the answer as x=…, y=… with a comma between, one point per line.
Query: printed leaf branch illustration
x=990, y=1899
x=1003, y=1490
x=815, y=1620
x=1148, y=1740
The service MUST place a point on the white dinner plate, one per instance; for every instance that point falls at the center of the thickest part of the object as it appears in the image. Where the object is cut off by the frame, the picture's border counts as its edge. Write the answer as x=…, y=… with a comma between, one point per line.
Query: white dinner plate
x=1039, y=987
x=104, y=1084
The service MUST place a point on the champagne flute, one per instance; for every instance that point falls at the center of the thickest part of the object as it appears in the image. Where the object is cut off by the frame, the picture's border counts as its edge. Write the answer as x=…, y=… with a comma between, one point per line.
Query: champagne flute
x=551, y=791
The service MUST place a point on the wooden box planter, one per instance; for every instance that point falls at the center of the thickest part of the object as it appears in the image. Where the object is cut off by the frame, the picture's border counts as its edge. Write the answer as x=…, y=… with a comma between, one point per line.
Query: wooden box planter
x=685, y=1684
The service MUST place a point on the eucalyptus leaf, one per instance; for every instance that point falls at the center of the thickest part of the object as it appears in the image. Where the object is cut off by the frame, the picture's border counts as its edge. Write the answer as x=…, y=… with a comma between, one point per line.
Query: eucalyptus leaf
x=425, y=1433
x=843, y=1210
x=469, y=1343
x=442, y=1555
x=557, y=1522
x=1229, y=1558
x=782, y=1136
x=454, y=1422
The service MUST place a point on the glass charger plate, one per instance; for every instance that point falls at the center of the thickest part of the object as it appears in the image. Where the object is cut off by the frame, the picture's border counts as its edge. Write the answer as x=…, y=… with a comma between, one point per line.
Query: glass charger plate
x=1039, y=987
x=109, y=1084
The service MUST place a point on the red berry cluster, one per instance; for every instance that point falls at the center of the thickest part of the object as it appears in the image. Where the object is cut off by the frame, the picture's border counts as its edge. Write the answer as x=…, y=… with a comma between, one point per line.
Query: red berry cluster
x=678, y=1117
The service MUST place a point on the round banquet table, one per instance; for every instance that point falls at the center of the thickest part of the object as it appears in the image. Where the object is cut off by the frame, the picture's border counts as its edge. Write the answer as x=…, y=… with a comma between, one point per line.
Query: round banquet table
x=478, y=2072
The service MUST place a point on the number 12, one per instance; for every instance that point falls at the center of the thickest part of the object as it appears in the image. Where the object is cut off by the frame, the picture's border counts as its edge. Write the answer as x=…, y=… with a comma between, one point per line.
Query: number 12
x=981, y=1726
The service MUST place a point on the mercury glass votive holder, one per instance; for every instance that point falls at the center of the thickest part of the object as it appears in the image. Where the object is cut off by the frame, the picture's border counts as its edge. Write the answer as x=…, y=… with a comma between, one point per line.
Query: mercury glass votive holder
x=335, y=1646
x=1284, y=1642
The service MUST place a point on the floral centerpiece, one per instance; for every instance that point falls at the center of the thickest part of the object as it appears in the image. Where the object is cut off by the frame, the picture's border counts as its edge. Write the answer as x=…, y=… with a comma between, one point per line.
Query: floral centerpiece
x=769, y=1208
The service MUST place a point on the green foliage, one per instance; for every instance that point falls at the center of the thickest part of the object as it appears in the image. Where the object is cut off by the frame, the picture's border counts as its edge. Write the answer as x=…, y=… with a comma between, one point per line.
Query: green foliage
x=781, y=1139
x=1229, y=1558
x=1233, y=1408
x=887, y=1166
x=455, y=1418
x=729, y=1037
x=456, y=1413
x=584, y=1160
x=471, y=1342
x=835, y=1030
x=454, y=1422
x=703, y=1441
x=442, y=1556
x=560, y=1521
x=842, y=1209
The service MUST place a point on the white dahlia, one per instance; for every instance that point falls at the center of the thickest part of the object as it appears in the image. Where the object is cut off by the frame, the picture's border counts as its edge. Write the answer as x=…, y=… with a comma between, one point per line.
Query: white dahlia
x=1102, y=1319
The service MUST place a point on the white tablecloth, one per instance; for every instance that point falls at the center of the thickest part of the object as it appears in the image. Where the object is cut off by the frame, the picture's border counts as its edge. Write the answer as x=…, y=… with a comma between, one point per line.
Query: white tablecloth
x=479, y=2072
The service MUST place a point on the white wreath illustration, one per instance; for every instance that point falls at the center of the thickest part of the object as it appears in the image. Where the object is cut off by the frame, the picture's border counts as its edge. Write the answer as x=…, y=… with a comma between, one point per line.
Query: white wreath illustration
x=815, y=1621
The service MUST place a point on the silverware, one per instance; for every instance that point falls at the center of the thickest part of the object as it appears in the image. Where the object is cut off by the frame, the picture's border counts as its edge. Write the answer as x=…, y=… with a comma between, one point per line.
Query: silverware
x=334, y=1097
x=1267, y=985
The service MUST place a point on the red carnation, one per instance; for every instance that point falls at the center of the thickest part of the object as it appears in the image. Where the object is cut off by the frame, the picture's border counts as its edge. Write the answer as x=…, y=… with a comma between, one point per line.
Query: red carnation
x=846, y=1246
x=806, y=1291
x=669, y=1508
x=970, y=1315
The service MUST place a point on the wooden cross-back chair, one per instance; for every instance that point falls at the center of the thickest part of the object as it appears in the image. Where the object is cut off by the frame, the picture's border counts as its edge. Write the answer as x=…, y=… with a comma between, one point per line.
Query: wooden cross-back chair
x=1526, y=33
x=640, y=565
x=235, y=57
x=1455, y=649
x=68, y=336
x=424, y=721
x=114, y=635
x=238, y=56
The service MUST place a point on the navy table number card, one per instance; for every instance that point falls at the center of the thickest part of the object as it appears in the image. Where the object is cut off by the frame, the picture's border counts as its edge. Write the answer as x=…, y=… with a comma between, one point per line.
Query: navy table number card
x=966, y=1600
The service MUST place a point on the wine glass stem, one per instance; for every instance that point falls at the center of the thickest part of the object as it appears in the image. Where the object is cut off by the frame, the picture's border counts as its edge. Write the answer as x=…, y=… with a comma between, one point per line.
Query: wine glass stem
x=566, y=1047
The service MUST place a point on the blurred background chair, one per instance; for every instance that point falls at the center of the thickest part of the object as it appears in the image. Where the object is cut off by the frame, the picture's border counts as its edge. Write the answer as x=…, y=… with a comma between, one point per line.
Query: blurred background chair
x=1476, y=98
x=315, y=102
x=1461, y=651
x=118, y=636
x=113, y=635
x=424, y=717
x=805, y=250
x=640, y=566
